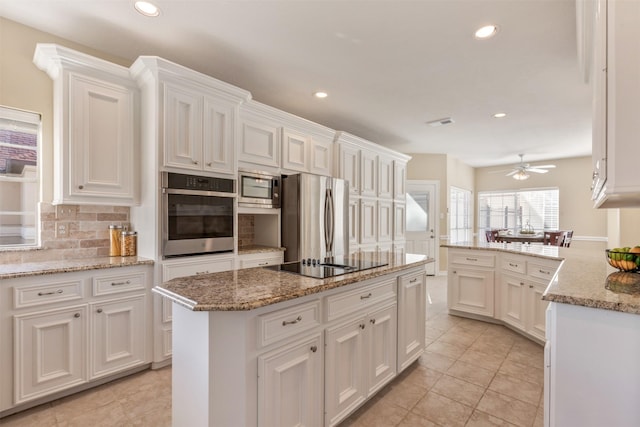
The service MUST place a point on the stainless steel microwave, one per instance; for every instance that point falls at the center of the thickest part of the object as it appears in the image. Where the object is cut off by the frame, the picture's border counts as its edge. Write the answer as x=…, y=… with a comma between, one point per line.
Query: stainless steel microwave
x=258, y=189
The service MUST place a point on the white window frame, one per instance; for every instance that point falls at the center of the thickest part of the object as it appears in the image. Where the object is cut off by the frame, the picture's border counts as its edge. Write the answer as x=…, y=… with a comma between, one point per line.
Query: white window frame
x=460, y=215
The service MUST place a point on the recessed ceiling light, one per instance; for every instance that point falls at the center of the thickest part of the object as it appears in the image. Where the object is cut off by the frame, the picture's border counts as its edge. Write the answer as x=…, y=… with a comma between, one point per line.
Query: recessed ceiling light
x=146, y=8
x=500, y=115
x=321, y=94
x=486, y=32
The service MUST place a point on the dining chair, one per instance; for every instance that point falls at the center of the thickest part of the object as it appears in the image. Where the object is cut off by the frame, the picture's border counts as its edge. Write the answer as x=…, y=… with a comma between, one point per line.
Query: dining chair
x=553, y=238
x=492, y=235
x=566, y=242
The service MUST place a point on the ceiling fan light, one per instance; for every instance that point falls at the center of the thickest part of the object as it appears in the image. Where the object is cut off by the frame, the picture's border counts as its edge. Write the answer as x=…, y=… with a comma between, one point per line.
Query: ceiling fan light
x=521, y=175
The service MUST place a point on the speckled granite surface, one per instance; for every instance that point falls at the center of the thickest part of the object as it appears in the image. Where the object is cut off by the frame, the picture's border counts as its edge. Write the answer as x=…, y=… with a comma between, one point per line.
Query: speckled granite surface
x=258, y=249
x=584, y=277
x=251, y=288
x=10, y=271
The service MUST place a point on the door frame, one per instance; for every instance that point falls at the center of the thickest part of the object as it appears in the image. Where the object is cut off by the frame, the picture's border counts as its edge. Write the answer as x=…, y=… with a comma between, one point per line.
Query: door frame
x=437, y=214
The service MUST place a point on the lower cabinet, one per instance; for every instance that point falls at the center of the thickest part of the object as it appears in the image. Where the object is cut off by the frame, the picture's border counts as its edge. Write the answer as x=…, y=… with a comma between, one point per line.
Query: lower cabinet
x=70, y=329
x=290, y=385
x=412, y=301
x=471, y=290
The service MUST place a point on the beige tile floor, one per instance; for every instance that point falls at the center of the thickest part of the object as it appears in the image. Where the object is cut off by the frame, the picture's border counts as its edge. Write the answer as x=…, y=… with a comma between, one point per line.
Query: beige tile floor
x=472, y=374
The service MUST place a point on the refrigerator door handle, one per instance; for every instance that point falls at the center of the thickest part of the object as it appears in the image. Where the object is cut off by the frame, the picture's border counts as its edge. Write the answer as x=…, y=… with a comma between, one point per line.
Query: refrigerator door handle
x=328, y=222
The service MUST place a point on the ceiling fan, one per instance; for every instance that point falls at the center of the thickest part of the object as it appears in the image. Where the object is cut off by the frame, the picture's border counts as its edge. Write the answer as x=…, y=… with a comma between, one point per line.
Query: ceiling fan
x=521, y=171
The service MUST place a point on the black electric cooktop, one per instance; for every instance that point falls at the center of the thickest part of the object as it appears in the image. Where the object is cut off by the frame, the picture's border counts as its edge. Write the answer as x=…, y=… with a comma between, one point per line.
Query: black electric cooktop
x=322, y=270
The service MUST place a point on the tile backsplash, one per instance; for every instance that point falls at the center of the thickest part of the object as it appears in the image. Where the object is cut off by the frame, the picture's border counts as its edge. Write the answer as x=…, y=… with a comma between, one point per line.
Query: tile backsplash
x=246, y=230
x=71, y=231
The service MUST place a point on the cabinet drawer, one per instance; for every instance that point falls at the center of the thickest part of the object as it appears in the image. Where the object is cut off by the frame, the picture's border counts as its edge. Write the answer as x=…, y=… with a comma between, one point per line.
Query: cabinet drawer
x=193, y=267
x=46, y=293
x=287, y=322
x=473, y=259
x=118, y=283
x=349, y=302
x=542, y=270
x=514, y=264
x=260, y=262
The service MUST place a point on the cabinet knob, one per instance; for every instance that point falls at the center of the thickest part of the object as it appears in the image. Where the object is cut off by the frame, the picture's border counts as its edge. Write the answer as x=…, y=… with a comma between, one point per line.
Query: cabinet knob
x=373, y=321
x=531, y=286
x=521, y=283
x=99, y=310
x=195, y=162
x=314, y=348
x=80, y=187
x=209, y=163
x=362, y=326
x=76, y=315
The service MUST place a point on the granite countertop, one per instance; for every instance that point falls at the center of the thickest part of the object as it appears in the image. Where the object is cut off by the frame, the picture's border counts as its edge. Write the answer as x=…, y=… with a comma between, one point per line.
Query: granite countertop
x=252, y=288
x=584, y=277
x=11, y=271
x=257, y=249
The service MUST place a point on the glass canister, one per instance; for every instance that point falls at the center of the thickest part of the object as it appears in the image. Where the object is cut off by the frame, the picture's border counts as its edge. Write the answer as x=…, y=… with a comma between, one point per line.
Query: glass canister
x=129, y=243
x=115, y=236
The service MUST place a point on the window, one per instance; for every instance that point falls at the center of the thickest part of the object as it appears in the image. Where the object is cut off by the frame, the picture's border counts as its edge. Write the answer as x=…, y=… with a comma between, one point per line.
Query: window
x=460, y=215
x=513, y=210
x=19, y=178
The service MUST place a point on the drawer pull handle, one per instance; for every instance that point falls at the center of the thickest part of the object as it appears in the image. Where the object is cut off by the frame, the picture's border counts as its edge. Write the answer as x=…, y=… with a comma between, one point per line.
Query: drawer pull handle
x=365, y=296
x=291, y=322
x=513, y=265
x=414, y=280
x=544, y=272
x=373, y=321
x=76, y=315
x=314, y=348
x=99, y=310
x=128, y=282
x=202, y=272
x=362, y=326
x=41, y=294
x=263, y=263
x=472, y=259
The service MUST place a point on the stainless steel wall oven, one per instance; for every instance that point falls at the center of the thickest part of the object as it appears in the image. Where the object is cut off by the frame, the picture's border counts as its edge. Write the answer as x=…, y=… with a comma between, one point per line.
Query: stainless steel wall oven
x=197, y=214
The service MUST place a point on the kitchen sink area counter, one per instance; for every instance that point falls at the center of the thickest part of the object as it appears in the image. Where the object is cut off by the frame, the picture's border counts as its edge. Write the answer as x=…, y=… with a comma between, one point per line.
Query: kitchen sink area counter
x=252, y=288
x=12, y=271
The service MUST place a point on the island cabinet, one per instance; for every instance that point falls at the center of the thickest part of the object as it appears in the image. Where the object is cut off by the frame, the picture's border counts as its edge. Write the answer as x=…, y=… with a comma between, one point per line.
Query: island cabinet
x=308, y=361
x=471, y=282
x=96, y=131
x=65, y=330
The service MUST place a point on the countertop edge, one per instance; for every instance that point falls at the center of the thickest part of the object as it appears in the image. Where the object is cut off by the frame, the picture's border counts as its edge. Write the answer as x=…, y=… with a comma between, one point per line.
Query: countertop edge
x=83, y=265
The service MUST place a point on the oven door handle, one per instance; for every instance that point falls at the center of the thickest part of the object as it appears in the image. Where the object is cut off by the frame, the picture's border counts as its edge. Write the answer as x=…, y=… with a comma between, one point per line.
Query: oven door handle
x=197, y=192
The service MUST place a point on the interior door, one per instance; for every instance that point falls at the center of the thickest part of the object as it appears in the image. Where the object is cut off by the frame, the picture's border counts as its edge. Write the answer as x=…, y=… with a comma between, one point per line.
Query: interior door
x=421, y=221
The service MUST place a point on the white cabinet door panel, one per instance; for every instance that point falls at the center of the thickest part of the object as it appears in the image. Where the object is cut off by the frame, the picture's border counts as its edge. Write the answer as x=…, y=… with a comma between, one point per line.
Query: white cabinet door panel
x=382, y=348
x=182, y=127
x=218, y=136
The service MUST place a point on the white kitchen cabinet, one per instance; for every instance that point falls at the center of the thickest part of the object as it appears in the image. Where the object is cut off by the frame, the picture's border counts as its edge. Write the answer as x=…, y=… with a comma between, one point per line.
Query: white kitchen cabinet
x=349, y=167
x=399, y=222
x=412, y=298
x=400, y=179
x=368, y=221
x=368, y=173
x=260, y=136
x=616, y=93
x=360, y=359
x=385, y=221
x=321, y=153
x=290, y=384
x=118, y=332
x=470, y=285
x=68, y=329
x=259, y=259
x=513, y=294
x=198, y=130
x=96, y=128
x=385, y=177
x=354, y=222
x=304, y=152
x=49, y=349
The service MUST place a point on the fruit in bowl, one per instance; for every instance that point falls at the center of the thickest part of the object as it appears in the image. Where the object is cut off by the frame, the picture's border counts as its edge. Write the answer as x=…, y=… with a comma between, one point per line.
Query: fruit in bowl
x=624, y=259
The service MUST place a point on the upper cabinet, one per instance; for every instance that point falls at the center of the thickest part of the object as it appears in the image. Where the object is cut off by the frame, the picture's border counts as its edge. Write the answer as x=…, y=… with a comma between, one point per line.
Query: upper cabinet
x=616, y=91
x=259, y=142
x=197, y=116
x=96, y=128
x=400, y=178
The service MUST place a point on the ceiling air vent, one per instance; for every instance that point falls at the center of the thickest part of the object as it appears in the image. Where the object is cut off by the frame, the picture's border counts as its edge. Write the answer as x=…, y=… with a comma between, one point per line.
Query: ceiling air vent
x=440, y=122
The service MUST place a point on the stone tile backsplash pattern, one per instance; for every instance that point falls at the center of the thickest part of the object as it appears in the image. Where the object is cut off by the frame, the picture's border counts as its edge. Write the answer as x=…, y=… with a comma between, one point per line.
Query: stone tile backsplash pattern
x=246, y=230
x=85, y=235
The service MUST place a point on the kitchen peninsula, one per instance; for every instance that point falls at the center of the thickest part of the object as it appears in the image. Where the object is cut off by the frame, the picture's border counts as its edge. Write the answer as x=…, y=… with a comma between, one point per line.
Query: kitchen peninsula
x=590, y=328
x=265, y=347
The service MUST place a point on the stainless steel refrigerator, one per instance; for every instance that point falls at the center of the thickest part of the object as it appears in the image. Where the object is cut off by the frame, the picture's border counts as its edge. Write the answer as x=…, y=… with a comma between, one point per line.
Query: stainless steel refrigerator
x=315, y=218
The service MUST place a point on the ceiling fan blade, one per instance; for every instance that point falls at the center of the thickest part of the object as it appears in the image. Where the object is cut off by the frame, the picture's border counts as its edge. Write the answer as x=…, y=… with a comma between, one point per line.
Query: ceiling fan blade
x=544, y=166
x=536, y=170
x=500, y=171
x=513, y=172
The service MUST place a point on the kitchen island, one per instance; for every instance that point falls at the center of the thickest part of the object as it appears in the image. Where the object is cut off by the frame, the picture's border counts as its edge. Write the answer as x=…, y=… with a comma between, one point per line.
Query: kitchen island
x=592, y=340
x=271, y=348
